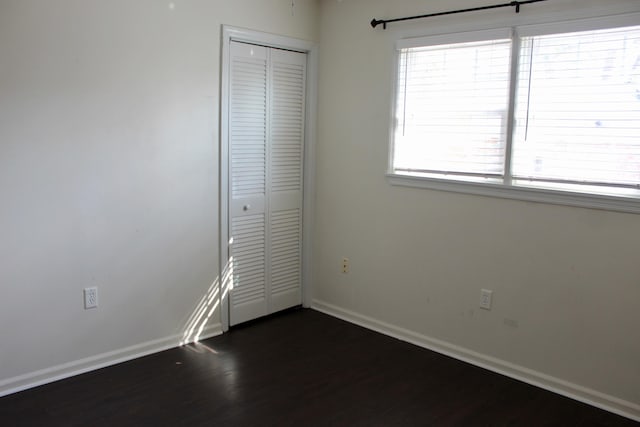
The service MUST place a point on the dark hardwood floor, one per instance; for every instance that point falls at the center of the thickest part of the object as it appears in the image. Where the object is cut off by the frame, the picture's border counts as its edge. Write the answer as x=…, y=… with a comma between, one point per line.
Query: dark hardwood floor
x=298, y=368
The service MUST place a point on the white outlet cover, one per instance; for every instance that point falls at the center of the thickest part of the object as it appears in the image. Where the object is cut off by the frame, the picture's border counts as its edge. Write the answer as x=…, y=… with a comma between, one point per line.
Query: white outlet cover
x=485, y=299
x=90, y=298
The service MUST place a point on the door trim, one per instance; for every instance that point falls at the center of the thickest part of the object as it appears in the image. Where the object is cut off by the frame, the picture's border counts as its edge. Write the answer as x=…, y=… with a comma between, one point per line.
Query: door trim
x=230, y=33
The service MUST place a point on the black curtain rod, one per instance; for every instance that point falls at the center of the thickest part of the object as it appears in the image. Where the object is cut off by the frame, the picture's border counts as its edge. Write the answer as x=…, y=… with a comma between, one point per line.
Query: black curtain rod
x=375, y=22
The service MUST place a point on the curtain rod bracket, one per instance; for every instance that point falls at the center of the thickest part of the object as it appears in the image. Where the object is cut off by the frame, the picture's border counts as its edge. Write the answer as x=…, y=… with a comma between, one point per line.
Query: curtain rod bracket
x=517, y=5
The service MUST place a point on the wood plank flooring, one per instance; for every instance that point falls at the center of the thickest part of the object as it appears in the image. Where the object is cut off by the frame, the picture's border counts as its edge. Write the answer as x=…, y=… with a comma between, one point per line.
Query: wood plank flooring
x=298, y=368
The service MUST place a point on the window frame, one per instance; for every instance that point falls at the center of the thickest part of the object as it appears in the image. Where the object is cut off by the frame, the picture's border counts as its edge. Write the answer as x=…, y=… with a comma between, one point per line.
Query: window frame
x=568, y=195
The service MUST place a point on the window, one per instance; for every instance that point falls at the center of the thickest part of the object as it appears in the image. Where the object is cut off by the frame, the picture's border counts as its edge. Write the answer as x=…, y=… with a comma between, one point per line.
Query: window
x=558, y=111
x=443, y=87
x=578, y=108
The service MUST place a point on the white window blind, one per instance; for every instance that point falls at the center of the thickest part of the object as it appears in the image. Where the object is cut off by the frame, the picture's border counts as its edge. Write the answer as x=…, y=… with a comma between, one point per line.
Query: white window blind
x=578, y=108
x=451, y=111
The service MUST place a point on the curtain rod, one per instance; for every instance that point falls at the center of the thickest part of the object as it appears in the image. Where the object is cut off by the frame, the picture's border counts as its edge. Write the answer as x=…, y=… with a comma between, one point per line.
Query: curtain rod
x=375, y=22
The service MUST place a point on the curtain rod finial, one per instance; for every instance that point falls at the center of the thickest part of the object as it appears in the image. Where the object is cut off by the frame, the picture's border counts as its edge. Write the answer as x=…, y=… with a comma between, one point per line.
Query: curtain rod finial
x=375, y=23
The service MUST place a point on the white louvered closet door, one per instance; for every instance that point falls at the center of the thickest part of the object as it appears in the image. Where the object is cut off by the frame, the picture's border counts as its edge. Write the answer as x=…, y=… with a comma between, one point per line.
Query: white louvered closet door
x=266, y=131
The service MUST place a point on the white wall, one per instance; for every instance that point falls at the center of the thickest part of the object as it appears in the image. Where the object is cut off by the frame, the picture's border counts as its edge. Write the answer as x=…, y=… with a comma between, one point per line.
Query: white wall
x=566, y=280
x=109, y=172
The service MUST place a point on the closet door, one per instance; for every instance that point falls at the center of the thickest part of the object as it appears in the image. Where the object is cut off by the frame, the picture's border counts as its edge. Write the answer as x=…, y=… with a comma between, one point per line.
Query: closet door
x=266, y=131
x=285, y=190
x=248, y=181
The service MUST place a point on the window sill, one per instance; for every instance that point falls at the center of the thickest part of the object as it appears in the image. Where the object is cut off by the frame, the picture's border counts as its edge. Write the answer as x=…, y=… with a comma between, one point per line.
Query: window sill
x=518, y=192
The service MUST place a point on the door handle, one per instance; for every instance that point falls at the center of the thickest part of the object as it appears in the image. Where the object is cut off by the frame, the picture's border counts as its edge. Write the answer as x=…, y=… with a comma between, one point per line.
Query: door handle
x=246, y=207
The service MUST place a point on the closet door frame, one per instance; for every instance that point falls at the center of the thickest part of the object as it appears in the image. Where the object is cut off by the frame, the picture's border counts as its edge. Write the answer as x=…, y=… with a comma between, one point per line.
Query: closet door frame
x=230, y=33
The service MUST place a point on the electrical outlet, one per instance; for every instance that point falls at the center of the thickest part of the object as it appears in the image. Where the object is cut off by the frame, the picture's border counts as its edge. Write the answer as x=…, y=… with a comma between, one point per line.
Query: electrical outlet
x=485, y=299
x=90, y=298
x=345, y=265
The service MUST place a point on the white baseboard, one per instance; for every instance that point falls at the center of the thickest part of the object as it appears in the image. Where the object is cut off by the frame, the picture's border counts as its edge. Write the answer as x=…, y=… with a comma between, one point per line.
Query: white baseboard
x=76, y=367
x=591, y=397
